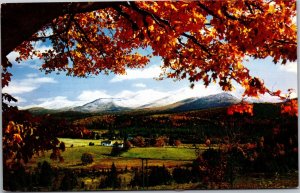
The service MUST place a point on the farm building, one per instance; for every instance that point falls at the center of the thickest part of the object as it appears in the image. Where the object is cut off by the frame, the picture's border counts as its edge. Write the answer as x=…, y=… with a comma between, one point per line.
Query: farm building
x=106, y=143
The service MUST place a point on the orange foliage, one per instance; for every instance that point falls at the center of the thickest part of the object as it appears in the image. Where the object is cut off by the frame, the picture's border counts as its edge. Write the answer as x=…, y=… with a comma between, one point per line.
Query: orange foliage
x=160, y=141
x=21, y=141
x=12, y=143
x=207, y=142
x=177, y=142
x=177, y=120
x=198, y=40
x=290, y=107
x=138, y=141
x=241, y=108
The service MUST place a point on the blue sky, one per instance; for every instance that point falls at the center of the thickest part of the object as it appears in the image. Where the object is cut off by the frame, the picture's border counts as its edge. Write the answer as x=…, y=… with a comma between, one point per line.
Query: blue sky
x=33, y=88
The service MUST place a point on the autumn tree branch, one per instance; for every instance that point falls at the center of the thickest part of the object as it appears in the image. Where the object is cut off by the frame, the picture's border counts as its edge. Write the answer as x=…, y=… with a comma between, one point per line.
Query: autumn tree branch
x=87, y=39
x=125, y=15
x=197, y=43
x=158, y=20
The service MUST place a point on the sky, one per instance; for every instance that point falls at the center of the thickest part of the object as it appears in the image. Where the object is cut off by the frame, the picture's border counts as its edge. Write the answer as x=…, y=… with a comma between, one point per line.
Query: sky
x=33, y=88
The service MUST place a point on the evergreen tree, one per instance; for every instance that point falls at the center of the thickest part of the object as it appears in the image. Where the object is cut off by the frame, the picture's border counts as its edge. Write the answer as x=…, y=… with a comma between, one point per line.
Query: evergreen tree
x=112, y=179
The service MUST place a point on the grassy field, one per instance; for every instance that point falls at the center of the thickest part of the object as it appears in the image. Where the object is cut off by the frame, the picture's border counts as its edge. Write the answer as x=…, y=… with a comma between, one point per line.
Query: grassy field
x=82, y=142
x=168, y=156
x=168, y=153
x=72, y=156
x=81, y=146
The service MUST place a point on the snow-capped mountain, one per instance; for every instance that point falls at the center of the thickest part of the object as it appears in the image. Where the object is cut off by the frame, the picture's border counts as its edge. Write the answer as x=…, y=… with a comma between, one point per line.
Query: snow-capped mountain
x=166, y=103
x=161, y=102
x=101, y=105
x=211, y=101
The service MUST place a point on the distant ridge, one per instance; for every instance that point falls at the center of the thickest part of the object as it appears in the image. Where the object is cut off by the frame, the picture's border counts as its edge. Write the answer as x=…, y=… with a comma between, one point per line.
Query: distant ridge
x=114, y=105
x=211, y=101
x=101, y=105
x=111, y=104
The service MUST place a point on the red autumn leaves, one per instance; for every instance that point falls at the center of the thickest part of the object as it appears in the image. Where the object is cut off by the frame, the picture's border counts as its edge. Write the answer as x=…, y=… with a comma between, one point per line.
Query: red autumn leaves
x=241, y=108
x=289, y=107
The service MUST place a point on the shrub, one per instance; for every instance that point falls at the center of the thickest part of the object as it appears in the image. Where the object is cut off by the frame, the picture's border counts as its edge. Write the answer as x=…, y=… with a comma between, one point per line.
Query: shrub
x=181, y=175
x=111, y=179
x=15, y=181
x=62, y=146
x=46, y=173
x=138, y=141
x=87, y=158
x=160, y=142
x=127, y=145
x=159, y=175
x=212, y=157
x=116, y=150
x=69, y=181
x=177, y=143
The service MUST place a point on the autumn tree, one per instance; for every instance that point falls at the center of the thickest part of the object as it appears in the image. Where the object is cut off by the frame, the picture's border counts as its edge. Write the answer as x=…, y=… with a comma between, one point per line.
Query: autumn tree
x=177, y=143
x=138, y=141
x=87, y=158
x=160, y=141
x=198, y=40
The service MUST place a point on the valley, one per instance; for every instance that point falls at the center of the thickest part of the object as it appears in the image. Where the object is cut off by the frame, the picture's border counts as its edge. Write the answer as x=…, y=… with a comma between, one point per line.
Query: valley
x=128, y=149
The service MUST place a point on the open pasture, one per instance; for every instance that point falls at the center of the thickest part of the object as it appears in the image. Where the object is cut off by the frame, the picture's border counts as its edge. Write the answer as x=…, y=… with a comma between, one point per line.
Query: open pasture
x=157, y=156
x=82, y=142
x=165, y=153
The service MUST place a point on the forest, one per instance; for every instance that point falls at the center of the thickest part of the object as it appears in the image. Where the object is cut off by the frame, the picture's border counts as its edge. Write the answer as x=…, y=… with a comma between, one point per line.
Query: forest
x=211, y=148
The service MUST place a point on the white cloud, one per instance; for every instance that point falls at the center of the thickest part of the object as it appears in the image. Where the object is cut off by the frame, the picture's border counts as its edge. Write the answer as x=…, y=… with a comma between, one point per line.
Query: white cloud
x=35, y=62
x=54, y=103
x=41, y=46
x=294, y=95
x=264, y=98
x=89, y=95
x=27, y=85
x=18, y=89
x=146, y=73
x=126, y=98
x=12, y=56
x=294, y=20
x=129, y=98
x=198, y=91
x=239, y=91
x=125, y=94
x=139, y=98
x=20, y=100
x=139, y=85
x=32, y=75
x=289, y=67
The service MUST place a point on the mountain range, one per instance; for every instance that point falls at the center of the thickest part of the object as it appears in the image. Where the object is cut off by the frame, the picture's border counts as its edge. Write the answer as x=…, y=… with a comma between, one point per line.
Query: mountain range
x=108, y=105
x=101, y=105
